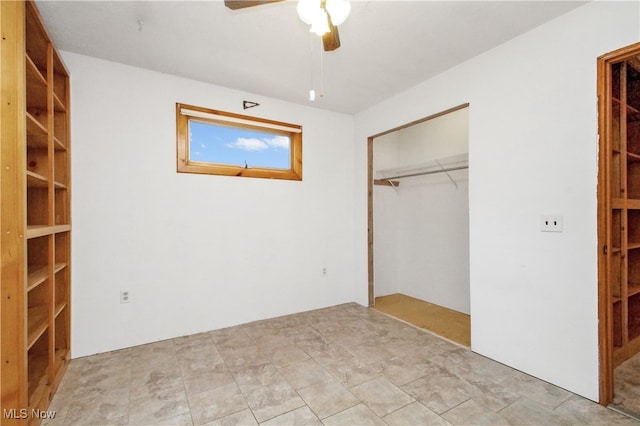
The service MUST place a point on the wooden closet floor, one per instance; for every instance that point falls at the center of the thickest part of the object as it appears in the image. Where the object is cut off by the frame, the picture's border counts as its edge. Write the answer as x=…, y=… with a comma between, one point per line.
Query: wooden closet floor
x=450, y=324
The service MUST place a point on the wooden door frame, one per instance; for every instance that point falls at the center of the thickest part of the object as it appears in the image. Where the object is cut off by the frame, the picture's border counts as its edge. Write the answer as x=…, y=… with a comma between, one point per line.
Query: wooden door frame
x=605, y=314
x=370, y=189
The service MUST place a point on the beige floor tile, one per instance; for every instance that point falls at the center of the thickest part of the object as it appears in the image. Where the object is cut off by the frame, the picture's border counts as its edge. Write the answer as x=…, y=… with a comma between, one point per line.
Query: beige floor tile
x=104, y=381
x=582, y=411
x=156, y=384
x=110, y=407
x=470, y=412
x=401, y=371
x=326, y=353
x=626, y=392
x=256, y=376
x=369, y=354
x=528, y=412
x=179, y=420
x=245, y=356
x=359, y=415
x=241, y=418
x=287, y=355
x=305, y=373
x=216, y=403
x=273, y=400
x=207, y=379
x=473, y=367
x=151, y=362
x=439, y=391
x=162, y=348
x=545, y=394
x=381, y=396
x=302, y=416
x=230, y=338
x=352, y=372
x=193, y=358
x=414, y=414
x=192, y=341
x=327, y=398
x=171, y=403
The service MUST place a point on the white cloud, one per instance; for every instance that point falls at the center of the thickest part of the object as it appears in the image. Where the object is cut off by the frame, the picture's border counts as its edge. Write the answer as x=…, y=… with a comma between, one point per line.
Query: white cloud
x=278, y=142
x=203, y=146
x=248, y=144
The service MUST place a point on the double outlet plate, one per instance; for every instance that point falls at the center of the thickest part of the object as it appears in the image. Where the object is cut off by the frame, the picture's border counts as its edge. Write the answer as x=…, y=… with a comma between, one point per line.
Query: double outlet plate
x=551, y=223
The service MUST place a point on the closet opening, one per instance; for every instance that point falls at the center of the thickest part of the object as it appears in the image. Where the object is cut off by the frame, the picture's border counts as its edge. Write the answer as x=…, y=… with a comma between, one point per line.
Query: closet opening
x=619, y=229
x=418, y=202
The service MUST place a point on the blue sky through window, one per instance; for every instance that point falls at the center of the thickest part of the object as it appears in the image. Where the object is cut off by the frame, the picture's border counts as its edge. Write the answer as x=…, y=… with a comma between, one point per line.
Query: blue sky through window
x=220, y=144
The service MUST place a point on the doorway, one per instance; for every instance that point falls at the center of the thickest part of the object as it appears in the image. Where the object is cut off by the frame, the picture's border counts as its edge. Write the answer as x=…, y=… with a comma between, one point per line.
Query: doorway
x=619, y=228
x=419, y=223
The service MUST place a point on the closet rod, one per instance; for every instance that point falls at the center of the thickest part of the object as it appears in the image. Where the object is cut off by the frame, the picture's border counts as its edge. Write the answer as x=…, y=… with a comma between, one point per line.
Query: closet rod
x=427, y=173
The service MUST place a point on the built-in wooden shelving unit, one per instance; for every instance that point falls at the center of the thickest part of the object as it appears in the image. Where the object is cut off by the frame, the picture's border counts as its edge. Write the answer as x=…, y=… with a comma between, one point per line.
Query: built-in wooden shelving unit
x=35, y=214
x=624, y=190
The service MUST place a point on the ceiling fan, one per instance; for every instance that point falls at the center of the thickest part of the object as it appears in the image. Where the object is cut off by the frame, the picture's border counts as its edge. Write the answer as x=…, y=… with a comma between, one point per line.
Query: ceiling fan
x=324, y=16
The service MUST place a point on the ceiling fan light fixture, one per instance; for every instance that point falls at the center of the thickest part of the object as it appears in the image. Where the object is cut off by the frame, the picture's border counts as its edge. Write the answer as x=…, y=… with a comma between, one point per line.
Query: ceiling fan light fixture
x=317, y=12
x=321, y=25
x=338, y=10
x=308, y=10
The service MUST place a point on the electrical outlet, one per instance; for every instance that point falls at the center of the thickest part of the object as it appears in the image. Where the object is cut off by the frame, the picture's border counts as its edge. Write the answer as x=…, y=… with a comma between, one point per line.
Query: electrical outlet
x=324, y=272
x=124, y=296
x=551, y=223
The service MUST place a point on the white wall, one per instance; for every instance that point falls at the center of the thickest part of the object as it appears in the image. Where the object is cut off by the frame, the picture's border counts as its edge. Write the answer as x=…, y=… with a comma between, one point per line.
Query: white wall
x=197, y=252
x=422, y=246
x=532, y=150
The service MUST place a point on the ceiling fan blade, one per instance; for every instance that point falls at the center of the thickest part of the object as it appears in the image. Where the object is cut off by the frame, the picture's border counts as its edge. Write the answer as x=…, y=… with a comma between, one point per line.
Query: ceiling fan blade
x=242, y=4
x=331, y=40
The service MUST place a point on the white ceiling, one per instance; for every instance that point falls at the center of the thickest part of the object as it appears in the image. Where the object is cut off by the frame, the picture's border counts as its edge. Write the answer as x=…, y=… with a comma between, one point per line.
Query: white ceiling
x=387, y=46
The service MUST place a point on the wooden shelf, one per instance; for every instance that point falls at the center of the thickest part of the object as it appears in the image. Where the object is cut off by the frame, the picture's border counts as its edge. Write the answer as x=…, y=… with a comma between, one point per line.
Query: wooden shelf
x=633, y=289
x=622, y=203
x=58, y=105
x=36, y=231
x=38, y=390
x=58, y=145
x=37, y=323
x=34, y=76
x=629, y=108
x=35, y=180
x=59, y=308
x=58, y=185
x=36, y=133
x=37, y=276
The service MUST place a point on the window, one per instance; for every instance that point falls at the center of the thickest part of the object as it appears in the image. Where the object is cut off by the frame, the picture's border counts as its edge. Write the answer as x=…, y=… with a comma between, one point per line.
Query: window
x=222, y=143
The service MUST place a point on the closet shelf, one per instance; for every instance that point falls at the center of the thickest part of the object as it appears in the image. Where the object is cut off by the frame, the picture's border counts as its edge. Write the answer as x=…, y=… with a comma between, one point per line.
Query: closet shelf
x=440, y=165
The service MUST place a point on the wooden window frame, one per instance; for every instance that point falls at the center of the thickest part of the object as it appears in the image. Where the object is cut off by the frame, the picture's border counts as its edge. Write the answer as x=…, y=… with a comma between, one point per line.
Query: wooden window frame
x=184, y=113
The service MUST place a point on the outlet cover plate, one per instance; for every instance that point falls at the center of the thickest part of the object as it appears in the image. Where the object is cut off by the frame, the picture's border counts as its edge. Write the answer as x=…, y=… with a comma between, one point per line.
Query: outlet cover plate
x=551, y=223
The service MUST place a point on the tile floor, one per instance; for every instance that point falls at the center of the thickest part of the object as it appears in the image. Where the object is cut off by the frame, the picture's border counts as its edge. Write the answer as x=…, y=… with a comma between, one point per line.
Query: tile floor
x=626, y=391
x=344, y=365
